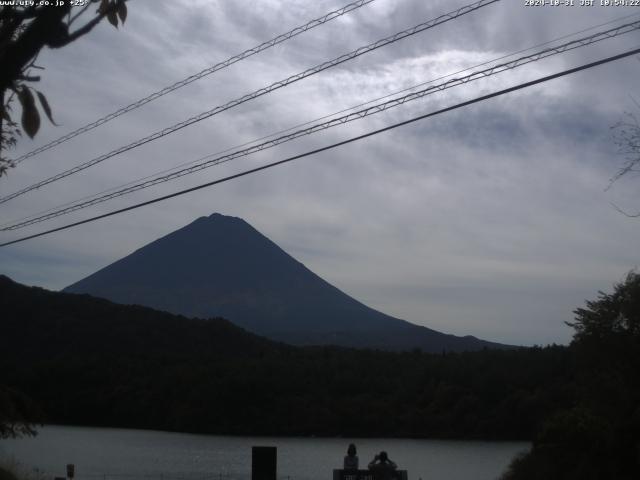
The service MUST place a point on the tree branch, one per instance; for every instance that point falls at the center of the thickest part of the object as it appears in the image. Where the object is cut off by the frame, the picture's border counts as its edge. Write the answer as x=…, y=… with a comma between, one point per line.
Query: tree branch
x=84, y=30
x=43, y=30
x=82, y=10
x=626, y=214
x=29, y=78
x=91, y=24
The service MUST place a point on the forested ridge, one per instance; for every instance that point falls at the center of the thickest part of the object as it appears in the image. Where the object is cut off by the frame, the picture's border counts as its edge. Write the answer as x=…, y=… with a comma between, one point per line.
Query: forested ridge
x=88, y=361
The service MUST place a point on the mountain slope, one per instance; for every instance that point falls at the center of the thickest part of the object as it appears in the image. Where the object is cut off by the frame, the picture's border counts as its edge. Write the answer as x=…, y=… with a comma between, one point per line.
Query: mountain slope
x=221, y=266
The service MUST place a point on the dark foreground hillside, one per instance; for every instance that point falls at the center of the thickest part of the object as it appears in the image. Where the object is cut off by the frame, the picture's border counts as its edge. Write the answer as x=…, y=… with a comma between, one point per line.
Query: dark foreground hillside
x=89, y=361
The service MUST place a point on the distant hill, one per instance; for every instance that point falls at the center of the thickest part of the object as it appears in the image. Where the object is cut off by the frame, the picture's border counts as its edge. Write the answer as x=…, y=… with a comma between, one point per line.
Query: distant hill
x=220, y=266
x=89, y=361
x=40, y=324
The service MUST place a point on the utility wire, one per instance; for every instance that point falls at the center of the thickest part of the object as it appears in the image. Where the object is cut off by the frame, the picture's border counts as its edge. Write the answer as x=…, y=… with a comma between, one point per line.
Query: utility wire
x=207, y=71
x=334, y=145
x=353, y=107
x=212, y=160
x=258, y=93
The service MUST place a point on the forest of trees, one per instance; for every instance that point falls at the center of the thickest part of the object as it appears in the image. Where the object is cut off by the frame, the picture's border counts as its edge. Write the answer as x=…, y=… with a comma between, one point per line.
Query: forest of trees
x=87, y=361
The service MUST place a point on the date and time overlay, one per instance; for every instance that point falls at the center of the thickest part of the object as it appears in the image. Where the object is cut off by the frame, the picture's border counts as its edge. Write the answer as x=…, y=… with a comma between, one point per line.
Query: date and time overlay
x=527, y=3
x=582, y=3
x=44, y=3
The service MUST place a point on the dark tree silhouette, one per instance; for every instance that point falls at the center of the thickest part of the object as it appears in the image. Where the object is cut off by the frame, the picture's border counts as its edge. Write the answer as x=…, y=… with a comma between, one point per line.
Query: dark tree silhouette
x=18, y=414
x=24, y=32
x=611, y=316
x=599, y=437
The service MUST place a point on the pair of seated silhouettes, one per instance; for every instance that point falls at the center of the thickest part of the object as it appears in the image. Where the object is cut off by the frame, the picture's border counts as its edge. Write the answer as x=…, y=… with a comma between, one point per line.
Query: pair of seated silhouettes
x=381, y=467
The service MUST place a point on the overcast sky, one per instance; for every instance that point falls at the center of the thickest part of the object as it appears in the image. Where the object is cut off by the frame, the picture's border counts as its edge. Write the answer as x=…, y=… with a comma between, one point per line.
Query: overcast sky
x=493, y=220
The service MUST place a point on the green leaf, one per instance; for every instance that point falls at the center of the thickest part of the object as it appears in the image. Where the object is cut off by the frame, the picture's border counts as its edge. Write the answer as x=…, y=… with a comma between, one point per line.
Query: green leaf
x=30, y=115
x=122, y=11
x=46, y=107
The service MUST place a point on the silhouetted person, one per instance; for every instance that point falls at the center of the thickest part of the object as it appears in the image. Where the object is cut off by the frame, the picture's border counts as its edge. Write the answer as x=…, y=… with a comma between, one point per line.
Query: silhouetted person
x=382, y=467
x=351, y=460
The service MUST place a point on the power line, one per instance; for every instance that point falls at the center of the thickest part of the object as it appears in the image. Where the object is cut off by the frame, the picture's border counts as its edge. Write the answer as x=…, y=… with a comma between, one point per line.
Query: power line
x=309, y=122
x=207, y=71
x=334, y=145
x=337, y=121
x=372, y=110
x=258, y=93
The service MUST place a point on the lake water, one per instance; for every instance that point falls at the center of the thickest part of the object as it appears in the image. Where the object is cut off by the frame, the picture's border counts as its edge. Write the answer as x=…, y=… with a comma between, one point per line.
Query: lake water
x=119, y=454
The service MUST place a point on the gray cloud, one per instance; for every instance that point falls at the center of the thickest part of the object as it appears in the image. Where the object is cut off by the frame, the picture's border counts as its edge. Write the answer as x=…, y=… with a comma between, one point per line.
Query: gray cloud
x=491, y=221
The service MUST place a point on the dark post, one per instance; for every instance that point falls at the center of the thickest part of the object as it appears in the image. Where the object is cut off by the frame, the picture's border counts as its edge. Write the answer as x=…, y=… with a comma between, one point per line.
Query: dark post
x=264, y=463
x=71, y=470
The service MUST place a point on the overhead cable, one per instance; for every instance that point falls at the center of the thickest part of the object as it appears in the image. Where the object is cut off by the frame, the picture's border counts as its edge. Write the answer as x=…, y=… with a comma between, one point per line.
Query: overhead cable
x=258, y=93
x=215, y=159
x=317, y=119
x=192, y=78
x=332, y=146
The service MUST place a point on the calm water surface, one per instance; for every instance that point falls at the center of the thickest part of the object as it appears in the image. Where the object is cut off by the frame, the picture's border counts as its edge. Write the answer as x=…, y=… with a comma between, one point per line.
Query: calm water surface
x=118, y=454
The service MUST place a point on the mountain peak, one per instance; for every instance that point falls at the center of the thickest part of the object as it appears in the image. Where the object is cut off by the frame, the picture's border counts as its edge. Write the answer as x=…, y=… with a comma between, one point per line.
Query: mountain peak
x=218, y=218
x=220, y=266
